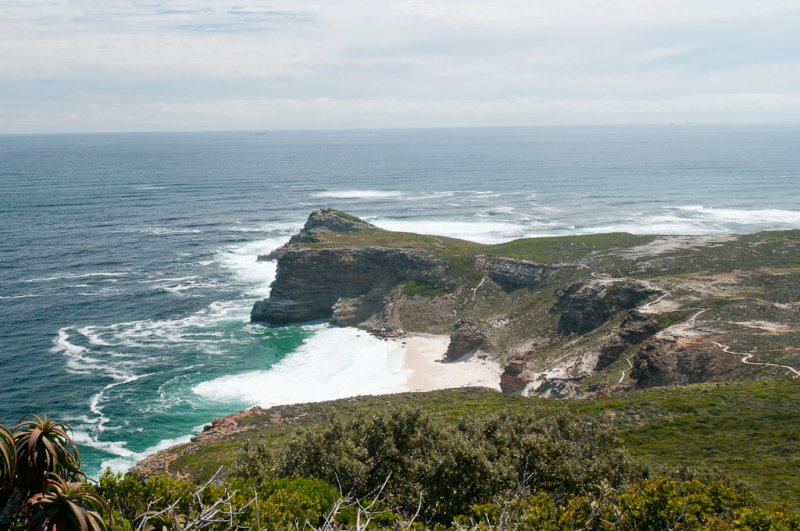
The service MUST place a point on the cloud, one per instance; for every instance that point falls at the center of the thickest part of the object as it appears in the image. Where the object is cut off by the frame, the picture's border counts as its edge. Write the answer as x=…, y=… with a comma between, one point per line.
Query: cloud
x=393, y=62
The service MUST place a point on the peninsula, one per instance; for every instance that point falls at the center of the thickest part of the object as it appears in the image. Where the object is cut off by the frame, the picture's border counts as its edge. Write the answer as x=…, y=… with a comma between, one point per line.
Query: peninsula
x=573, y=316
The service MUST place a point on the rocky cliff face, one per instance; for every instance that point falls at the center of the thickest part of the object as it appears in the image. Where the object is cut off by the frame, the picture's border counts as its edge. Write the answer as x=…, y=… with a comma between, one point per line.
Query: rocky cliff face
x=310, y=281
x=586, y=306
x=635, y=328
x=512, y=274
x=667, y=361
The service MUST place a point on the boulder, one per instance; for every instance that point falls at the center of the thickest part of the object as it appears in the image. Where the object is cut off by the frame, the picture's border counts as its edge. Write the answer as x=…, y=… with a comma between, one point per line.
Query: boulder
x=511, y=381
x=468, y=335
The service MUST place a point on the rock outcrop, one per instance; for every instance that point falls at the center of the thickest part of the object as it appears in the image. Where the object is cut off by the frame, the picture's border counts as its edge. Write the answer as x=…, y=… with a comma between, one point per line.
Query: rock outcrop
x=468, y=335
x=585, y=307
x=310, y=281
x=326, y=219
x=512, y=274
x=511, y=381
x=667, y=361
x=635, y=328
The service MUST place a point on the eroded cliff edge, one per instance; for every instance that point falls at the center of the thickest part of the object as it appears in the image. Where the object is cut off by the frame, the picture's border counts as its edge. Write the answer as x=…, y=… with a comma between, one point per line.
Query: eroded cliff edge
x=568, y=316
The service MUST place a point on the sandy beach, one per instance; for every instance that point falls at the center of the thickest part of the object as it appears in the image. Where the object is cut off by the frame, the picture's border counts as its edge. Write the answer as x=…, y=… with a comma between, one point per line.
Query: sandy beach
x=423, y=356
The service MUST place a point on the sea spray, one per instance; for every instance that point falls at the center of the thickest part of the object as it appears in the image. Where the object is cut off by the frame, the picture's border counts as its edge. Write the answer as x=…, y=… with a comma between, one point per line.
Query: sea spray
x=332, y=363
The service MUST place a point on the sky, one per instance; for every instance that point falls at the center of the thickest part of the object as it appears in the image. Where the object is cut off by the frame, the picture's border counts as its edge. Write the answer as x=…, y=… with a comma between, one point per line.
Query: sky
x=181, y=65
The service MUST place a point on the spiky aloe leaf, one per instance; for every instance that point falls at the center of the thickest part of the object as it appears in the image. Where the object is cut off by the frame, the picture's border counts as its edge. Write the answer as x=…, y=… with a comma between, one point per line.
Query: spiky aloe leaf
x=43, y=447
x=8, y=460
x=67, y=505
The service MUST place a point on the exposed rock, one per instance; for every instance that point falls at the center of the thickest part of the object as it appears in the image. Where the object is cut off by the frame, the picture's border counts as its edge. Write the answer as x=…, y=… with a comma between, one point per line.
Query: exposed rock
x=326, y=219
x=467, y=336
x=585, y=307
x=383, y=329
x=511, y=274
x=559, y=388
x=634, y=329
x=310, y=281
x=667, y=361
x=355, y=310
x=511, y=380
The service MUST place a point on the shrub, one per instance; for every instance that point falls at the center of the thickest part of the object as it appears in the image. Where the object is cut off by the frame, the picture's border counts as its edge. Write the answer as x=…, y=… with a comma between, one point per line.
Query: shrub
x=269, y=504
x=41, y=481
x=649, y=504
x=412, y=287
x=449, y=467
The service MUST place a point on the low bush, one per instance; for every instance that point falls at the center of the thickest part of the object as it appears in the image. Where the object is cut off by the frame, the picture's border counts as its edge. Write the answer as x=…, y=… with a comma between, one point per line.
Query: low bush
x=648, y=504
x=269, y=504
x=411, y=458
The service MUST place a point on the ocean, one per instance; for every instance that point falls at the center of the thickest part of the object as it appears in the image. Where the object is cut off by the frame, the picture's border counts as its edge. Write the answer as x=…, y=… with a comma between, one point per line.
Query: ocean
x=128, y=261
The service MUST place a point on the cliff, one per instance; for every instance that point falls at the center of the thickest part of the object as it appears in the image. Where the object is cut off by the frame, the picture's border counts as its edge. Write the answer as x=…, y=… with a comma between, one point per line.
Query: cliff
x=570, y=316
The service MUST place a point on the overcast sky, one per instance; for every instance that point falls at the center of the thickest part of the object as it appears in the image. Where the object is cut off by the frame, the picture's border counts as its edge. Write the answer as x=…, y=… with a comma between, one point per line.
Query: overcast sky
x=177, y=65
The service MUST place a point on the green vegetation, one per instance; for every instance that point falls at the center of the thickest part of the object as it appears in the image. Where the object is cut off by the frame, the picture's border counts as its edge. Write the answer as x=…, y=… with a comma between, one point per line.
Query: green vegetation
x=510, y=469
x=412, y=287
x=467, y=459
x=561, y=249
x=343, y=215
x=750, y=431
x=40, y=480
x=653, y=504
x=413, y=456
x=171, y=503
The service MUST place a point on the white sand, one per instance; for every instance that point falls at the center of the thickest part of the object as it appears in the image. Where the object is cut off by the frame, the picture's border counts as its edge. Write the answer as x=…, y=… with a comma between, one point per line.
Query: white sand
x=424, y=355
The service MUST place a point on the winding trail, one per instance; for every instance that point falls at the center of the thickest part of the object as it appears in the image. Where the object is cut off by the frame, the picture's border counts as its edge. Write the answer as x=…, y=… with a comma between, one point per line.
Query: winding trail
x=630, y=366
x=646, y=308
x=746, y=356
x=476, y=288
x=746, y=360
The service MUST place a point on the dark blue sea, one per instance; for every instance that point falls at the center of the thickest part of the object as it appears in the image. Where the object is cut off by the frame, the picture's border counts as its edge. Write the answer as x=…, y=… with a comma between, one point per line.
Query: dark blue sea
x=128, y=262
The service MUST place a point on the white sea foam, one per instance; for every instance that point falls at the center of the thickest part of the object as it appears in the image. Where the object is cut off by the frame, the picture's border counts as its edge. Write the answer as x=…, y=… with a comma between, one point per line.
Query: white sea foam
x=495, y=211
x=126, y=458
x=656, y=225
x=700, y=220
x=432, y=195
x=161, y=231
x=241, y=262
x=770, y=216
x=358, y=194
x=26, y=296
x=477, y=231
x=333, y=363
x=178, y=286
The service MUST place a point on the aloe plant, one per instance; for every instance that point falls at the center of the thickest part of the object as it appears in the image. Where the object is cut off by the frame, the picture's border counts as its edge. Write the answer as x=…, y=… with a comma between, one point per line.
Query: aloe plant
x=43, y=447
x=65, y=505
x=39, y=466
x=8, y=462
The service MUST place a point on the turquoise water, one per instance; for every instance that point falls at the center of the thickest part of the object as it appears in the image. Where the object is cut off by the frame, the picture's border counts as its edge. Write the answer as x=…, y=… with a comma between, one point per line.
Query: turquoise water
x=127, y=262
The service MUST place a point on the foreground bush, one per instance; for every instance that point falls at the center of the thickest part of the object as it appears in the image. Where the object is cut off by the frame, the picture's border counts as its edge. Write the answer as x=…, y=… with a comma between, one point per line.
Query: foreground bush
x=659, y=504
x=413, y=460
x=244, y=503
x=41, y=482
